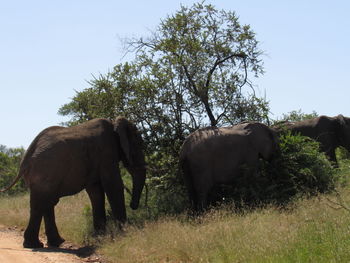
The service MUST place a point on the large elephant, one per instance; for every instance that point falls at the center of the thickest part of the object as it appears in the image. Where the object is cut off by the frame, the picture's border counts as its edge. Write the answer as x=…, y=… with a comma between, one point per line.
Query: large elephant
x=213, y=156
x=330, y=132
x=63, y=161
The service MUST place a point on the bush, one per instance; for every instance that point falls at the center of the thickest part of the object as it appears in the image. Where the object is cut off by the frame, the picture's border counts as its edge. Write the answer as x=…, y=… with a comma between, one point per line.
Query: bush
x=166, y=191
x=299, y=169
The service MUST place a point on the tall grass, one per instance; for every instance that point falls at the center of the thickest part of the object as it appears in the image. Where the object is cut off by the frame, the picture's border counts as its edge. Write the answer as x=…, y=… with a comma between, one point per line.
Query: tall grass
x=74, y=219
x=72, y=215
x=14, y=210
x=310, y=230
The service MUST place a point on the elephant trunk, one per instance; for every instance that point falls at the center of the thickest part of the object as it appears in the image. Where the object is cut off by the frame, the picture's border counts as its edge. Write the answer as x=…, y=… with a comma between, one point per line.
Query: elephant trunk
x=138, y=177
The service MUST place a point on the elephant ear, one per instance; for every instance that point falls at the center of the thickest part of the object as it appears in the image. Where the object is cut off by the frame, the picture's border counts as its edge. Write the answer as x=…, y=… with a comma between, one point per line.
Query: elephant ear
x=339, y=126
x=341, y=120
x=121, y=127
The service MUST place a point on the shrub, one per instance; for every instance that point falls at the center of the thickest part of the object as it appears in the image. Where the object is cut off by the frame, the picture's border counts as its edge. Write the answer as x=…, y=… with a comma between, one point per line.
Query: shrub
x=166, y=192
x=299, y=169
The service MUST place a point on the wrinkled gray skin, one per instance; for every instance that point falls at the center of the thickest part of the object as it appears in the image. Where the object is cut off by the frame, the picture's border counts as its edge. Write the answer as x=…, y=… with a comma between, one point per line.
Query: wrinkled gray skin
x=213, y=156
x=330, y=132
x=63, y=161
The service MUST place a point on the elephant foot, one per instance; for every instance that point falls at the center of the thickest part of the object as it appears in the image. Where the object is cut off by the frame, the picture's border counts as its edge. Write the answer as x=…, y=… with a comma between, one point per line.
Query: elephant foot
x=33, y=244
x=99, y=232
x=55, y=243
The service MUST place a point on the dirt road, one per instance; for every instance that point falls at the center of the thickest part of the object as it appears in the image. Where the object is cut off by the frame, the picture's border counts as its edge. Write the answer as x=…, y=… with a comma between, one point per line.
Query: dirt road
x=11, y=250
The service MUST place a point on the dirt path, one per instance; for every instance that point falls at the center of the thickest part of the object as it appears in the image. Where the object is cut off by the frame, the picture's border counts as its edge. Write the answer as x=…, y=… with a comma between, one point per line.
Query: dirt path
x=11, y=250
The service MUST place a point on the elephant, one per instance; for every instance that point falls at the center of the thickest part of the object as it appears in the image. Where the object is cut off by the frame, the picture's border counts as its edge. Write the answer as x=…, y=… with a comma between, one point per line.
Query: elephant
x=218, y=156
x=62, y=161
x=330, y=132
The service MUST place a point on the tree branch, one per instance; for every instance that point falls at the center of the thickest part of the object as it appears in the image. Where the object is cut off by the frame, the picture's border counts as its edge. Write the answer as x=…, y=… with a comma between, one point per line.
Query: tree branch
x=220, y=61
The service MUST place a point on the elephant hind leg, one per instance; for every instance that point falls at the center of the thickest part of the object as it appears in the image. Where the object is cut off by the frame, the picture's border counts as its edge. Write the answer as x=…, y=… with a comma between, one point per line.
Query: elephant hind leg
x=31, y=234
x=53, y=237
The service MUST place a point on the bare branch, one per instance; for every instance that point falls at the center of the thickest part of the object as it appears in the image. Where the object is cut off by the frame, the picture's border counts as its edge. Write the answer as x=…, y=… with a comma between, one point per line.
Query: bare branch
x=220, y=61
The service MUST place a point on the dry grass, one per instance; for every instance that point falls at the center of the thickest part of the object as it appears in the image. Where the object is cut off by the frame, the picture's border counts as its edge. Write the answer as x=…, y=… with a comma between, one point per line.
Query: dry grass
x=73, y=216
x=14, y=211
x=314, y=230
x=71, y=221
x=311, y=232
x=219, y=237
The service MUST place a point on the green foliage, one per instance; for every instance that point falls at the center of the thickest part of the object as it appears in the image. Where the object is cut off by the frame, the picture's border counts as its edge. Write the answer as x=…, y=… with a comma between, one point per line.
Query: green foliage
x=297, y=115
x=202, y=57
x=108, y=96
x=342, y=154
x=298, y=170
x=10, y=159
x=167, y=194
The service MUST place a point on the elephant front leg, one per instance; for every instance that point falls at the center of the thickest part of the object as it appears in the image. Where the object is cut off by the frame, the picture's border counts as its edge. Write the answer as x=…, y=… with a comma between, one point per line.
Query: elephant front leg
x=250, y=173
x=53, y=237
x=332, y=157
x=202, y=201
x=114, y=188
x=97, y=198
x=202, y=189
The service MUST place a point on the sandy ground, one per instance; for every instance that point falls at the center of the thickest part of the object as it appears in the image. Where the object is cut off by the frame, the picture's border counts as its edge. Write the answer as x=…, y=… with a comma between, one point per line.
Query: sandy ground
x=11, y=250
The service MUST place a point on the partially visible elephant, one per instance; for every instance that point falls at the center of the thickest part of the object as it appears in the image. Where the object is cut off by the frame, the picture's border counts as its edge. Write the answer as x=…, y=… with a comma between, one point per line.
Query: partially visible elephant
x=63, y=161
x=213, y=156
x=330, y=132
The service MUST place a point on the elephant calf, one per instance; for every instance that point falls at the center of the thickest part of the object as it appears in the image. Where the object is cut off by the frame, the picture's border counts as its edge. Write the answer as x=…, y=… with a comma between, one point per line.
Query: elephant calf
x=63, y=161
x=212, y=156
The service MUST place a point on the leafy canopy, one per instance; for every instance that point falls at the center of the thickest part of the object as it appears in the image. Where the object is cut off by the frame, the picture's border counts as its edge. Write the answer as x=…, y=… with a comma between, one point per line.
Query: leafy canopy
x=297, y=115
x=195, y=70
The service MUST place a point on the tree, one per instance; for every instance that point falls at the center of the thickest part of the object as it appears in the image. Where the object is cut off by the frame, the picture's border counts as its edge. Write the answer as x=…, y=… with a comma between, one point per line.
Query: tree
x=204, y=57
x=193, y=71
x=297, y=115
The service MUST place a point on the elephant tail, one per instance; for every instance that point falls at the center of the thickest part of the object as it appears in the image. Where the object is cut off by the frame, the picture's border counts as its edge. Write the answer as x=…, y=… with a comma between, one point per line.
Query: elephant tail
x=22, y=170
x=19, y=175
x=25, y=163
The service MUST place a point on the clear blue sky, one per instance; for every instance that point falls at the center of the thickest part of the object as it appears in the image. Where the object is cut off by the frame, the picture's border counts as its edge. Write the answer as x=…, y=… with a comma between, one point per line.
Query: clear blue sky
x=49, y=49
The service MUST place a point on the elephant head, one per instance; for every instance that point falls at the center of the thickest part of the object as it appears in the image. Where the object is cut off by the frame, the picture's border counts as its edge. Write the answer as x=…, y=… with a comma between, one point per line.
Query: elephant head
x=343, y=131
x=264, y=139
x=132, y=156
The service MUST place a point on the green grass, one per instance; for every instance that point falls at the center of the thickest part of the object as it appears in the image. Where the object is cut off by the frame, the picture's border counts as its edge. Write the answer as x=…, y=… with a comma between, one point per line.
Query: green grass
x=312, y=230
